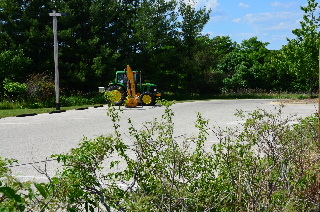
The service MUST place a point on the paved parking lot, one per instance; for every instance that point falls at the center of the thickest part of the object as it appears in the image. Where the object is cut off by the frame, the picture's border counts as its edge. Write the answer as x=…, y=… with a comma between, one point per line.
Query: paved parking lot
x=33, y=139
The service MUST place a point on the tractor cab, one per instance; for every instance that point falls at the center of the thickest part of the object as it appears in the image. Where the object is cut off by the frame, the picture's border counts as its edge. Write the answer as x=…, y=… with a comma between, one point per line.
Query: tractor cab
x=121, y=77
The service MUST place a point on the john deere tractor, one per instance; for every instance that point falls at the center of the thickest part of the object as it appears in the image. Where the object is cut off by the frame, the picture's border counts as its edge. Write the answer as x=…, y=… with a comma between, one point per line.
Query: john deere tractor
x=127, y=88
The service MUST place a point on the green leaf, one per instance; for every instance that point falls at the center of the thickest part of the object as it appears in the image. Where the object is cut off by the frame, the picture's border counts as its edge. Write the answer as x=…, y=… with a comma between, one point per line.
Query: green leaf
x=42, y=189
x=11, y=193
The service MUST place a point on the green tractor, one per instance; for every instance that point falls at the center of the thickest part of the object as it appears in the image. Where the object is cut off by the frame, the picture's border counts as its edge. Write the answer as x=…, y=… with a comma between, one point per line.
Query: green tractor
x=128, y=86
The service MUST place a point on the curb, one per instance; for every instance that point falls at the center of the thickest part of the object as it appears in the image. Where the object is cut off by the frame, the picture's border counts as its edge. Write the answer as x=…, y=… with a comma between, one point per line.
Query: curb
x=24, y=115
x=83, y=108
x=57, y=111
x=98, y=106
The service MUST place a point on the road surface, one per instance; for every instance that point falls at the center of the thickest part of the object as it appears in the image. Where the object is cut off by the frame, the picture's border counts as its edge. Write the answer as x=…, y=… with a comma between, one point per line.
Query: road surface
x=33, y=139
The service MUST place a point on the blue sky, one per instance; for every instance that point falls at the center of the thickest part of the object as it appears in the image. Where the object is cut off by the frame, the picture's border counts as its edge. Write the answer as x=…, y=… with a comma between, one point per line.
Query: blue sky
x=270, y=20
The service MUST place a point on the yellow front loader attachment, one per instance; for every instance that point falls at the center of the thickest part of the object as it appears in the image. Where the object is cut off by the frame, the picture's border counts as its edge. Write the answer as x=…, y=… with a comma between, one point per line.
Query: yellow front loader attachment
x=133, y=98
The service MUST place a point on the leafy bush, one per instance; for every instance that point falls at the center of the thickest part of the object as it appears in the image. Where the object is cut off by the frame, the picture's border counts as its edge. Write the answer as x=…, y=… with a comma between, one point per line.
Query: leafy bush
x=82, y=99
x=9, y=105
x=13, y=193
x=14, y=90
x=267, y=164
x=41, y=89
x=13, y=65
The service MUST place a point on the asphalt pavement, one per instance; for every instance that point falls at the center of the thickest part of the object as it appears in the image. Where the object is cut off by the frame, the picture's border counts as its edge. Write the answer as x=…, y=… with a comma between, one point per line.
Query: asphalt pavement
x=33, y=139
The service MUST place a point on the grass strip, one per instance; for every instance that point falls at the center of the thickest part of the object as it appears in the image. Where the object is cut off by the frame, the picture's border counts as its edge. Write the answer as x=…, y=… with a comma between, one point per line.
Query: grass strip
x=17, y=112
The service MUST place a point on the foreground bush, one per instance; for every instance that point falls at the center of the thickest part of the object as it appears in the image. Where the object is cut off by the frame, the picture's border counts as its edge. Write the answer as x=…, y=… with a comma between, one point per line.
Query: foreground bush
x=268, y=164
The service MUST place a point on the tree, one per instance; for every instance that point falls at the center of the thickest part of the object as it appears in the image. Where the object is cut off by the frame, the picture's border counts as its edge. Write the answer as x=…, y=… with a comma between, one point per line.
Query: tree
x=207, y=55
x=191, y=26
x=24, y=39
x=102, y=36
x=244, y=67
x=12, y=65
x=276, y=75
x=301, y=54
x=155, y=37
x=222, y=46
x=24, y=27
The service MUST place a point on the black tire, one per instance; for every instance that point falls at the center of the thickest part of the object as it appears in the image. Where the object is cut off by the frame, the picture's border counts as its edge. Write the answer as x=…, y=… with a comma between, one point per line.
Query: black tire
x=116, y=94
x=148, y=99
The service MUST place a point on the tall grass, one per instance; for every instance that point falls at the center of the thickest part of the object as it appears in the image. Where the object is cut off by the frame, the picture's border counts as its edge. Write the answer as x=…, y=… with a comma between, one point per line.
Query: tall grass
x=14, y=108
x=66, y=101
x=245, y=94
x=7, y=105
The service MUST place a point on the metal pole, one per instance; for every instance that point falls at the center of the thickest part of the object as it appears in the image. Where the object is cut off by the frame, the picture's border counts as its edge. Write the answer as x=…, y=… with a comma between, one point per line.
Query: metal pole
x=55, y=37
x=319, y=102
x=56, y=69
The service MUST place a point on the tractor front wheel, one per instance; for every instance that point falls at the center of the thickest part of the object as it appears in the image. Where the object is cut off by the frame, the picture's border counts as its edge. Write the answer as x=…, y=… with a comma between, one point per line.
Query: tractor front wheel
x=116, y=94
x=148, y=99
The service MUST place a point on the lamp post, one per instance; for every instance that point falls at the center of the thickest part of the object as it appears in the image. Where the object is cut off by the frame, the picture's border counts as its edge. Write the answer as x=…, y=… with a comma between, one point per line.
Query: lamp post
x=55, y=41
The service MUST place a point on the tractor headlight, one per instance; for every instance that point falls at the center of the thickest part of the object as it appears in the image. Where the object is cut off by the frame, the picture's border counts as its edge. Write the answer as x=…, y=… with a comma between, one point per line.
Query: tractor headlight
x=153, y=88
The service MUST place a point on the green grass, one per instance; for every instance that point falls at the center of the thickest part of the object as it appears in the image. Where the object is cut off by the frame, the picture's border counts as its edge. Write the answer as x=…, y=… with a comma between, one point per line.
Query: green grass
x=14, y=108
x=243, y=95
x=15, y=112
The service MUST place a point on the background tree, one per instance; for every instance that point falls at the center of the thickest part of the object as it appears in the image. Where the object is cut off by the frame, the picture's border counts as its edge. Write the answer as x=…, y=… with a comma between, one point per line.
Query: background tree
x=219, y=47
x=244, y=66
x=301, y=54
x=161, y=38
x=191, y=25
x=155, y=38
x=24, y=28
x=277, y=76
x=23, y=39
x=222, y=46
x=12, y=65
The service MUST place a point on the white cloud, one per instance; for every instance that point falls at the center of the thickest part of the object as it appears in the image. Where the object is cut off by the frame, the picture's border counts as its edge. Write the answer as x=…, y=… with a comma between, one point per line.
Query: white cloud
x=282, y=26
x=271, y=27
x=237, y=20
x=210, y=4
x=284, y=5
x=272, y=20
x=244, y=35
x=276, y=4
x=243, y=5
x=273, y=24
x=218, y=18
x=248, y=16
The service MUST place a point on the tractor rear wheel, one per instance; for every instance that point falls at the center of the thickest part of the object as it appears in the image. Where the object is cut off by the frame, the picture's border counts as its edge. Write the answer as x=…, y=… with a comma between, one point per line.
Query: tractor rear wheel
x=148, y=99
x=116, y=94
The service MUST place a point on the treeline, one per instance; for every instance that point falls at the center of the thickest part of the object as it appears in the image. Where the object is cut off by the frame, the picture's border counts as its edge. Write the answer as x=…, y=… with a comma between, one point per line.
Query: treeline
x=161, y=38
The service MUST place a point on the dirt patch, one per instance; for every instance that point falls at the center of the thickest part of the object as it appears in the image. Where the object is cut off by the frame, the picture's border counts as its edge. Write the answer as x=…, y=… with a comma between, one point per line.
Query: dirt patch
x=296, y=101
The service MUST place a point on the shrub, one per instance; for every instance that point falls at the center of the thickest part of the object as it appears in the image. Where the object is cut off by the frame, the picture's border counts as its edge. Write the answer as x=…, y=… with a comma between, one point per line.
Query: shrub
x=13, y=194
x=14, y=91
x=267, y=164
x=82, y=99
x=264, y=166
x=41, y=89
